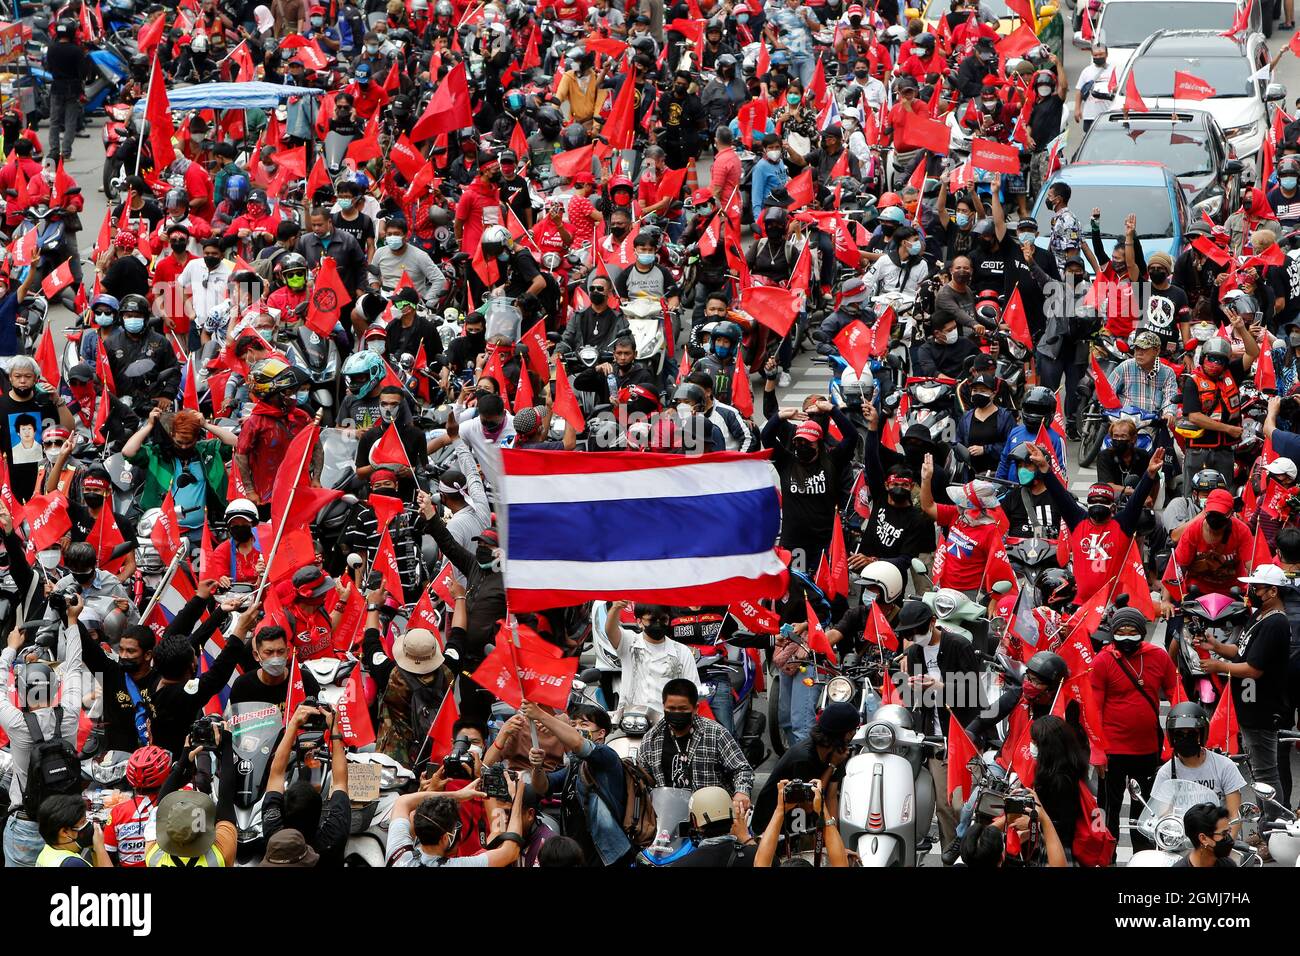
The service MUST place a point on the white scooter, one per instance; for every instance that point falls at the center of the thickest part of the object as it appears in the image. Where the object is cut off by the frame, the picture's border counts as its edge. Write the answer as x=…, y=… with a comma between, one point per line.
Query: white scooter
x=368, y=840
x=888, y=797
x=1161, y=822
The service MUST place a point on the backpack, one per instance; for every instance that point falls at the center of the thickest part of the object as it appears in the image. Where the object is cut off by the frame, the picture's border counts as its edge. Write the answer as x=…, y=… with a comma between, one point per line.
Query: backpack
x=639, y=822
x=52, y=767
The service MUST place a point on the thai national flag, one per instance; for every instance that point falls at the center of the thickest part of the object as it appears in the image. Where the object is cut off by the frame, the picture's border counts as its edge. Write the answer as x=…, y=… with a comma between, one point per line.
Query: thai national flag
x=214, y=646
x=650, y=528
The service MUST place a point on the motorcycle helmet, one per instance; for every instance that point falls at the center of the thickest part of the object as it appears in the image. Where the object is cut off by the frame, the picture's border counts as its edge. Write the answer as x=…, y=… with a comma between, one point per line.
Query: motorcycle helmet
x=925, y=42
x=1217, y=347
x=621, y=184
x=726, y=61
x=199, y=44
x=1039, y=407
x=1188, y=718
x=1288, y=166
x=293, y=270
x=104, y=299
x=913, y=618
x=269, y=376
x=689, y=392
x=574, y=136
x=1206, y=480
x=176, y=199
x=35, y=684
x=710, y=805
x=1049, y=668
x=639, y=399
x=775, y=222
x=1045, y=78
x=1056, y=589
x=134, y=305
x=242, y=508
x=549, y=122
x=893, y=214
x=725, y=330
x=886, y=577
x=443, y=8
x=148, y=768
x=496, y=240
x=362, y=372
x=237, y=188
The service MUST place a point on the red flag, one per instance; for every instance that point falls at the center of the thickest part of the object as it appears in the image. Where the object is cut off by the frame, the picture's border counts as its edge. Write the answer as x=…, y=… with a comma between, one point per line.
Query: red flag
x=107, y=537
x=367, y=147
x=389, y=450
x=1132, y=98
x=818, y=643
x=244, y=60
x=742, y=392
x=534, y=341
x=151, y=34
x=297, y=692
x=1105, y=393
x=498, y=675
x=1241, y=21
x=917, y=179
x=1014, y=316
x=670, y=185
x=619, y=128
x=440, y=729
x=406, y=157
x=773, y=306
x=386, y=564
x=755, y=618
x=24, y=250
x=839, y=561
x=1223, y=725
x=159, y=118
x=1260, y=553
x=57, y=280
x=801, y=275
x=292, y=482
x=208, y=570
x=566, y=404
x=1188, y=86
x=1044, y=441
x=571, y=162
x=319, y=177
x=46, y=357
x=1132, y=580
x=921, y=132
x=328, y=295
x=166, y=534
x=1265, y=374
x=994, y=157
x=960, y=753
x=47, y=519
x=882, y=331
x=878, y=630
x=190, y=399
x=1294, y=44
x=449, y=108
x=801, y=189
x=441, y=585
x=353, y=715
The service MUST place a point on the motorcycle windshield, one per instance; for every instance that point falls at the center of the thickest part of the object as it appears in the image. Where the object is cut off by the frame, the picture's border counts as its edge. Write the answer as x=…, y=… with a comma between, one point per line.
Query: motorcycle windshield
x=1170, y=799
x=336, y=147
x=340, y=449
x=255, y=726
x=672, y=808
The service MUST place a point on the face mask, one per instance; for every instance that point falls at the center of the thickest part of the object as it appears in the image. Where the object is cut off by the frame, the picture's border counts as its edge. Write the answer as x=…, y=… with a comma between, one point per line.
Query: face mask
x=681, y=92
x=1216, y=521
x=742, y=17
x=103, y=321
x=492, y=431
x=1098, y=61
x=179, y=245
x=1044, y=91
x=1026, y=476
x=915, y=249
x=275, y=666
x=86, y=835
x=678, y=721
x=302, y=397
x=296, y=281
x=773, y=155
x=656, y=631
x=211, y=262
x=372, y=48
x=619, y=231
x=793, y=99
x=861, y=74
x=1223, y=847
x=645, y=258
x=241, y=533
x=963, y=220
x=989, y=105
x=345, y=205
x=900, y=497
x=598, y=296
x=1033, y=750
x=887, y=229
x=980, y=399
x=1186, y=745
x=394, y=242
x=1031, y=691
x=1158, y=276
x=134, y=325
x=388, y=412
x=318, y=22
x=805, y=452
x=1099, y=513
x=83, y=577
x=1121, y=445
x=1128, y=645
x=949, y=338
x=94, y=502
x=376, y=346
x=1288, y=182
x=722, y=351
x=484, y=558
x=685, y=411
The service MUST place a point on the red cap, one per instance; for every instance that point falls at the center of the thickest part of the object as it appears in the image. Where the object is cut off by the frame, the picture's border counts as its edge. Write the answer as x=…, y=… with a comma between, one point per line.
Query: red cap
x=701, y=196
x=583, y=178
x=809, y=431
x=1220, y=501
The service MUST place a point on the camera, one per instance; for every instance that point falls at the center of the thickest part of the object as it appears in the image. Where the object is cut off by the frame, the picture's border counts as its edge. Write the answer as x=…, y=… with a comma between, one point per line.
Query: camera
x=1019, y=806
x=314, y=728
x=797, y=791
x=494, y=782
x=203, y=732
x=459, y=764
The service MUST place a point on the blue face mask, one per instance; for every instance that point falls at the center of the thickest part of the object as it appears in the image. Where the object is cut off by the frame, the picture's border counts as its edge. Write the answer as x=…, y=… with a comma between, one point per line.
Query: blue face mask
x=1288, y=182
x=722, y=351
x=1026, y=475
x=742, y=17
x=393, y=242
x=963, y=220
x=915, y=247
x=133, y=325
x=645, y=258
x=303, y=396
x=345, y=204
x=103, y=321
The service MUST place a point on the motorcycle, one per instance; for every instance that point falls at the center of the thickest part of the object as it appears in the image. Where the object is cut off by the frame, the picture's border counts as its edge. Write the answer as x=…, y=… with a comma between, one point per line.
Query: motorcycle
x=646, y=316
x=53, y=244
x=1091, y=420
x=888, y=798
x=1030, y=557
x=672, y=815
x=368, y=833
x=932, y=402
x=634, y=722
x=318, y=357
x=255, y=728
x=1220, y=616
x=1161, y=822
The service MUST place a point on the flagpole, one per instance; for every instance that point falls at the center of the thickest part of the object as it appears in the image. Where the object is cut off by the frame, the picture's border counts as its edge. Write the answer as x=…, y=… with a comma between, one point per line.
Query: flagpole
x=279, y=530
x=166, y=580
x=514, y=643
x=139, y=146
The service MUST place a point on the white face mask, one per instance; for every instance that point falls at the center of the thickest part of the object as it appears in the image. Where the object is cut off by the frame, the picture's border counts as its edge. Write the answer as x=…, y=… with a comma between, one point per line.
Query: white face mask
x=51, y=455
x=950, y=338
x=275, y=666
x=376, y=346
x=49, y=558
x=773, y=155
x=685, y=411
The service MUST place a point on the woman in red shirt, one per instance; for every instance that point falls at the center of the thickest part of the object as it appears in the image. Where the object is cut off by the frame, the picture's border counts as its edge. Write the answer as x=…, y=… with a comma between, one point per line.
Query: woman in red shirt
x=975, y=527
x=1215, y=547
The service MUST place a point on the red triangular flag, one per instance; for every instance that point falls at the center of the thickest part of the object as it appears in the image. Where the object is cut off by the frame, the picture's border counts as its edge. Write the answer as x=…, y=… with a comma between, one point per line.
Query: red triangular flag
x=960, y=753
x=566, y=404
x=817, y=640
x=1132, y=98
x=328, y=295
x=742, y=392
x=1223, y=725
x=389, y=450
x=1101, y=384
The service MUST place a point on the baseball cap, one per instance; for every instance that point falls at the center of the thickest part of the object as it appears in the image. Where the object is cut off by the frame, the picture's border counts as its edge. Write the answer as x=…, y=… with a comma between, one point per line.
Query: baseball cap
x=1267, y=574
x=1281, y=466
x=1146, y=339
x=1219, y=501
x=312, y=582
x=809, y=431
x=490, y=537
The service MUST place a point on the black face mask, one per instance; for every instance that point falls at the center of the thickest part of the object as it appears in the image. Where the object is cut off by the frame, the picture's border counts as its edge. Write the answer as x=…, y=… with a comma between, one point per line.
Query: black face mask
x=1121, y=445
x=1099, y=513
x=681, y=92
x=619, y=231
x=1158, y=276
x=1031, y=422
x=679, y=721
x=86, y=835
x=888, y=230
x=1128, y=646
x=94, y=502
x=598, y=297
x=900, y=498
x=241, y=533
x=1215, y=521
x=212, y=261
x=805, y=452
x=22, y=392
x=1223, y=847
x=476, y=340
x=83, y=577
x=980, y=400
x=657, y=630
x=1098, y=61
x=179, y=245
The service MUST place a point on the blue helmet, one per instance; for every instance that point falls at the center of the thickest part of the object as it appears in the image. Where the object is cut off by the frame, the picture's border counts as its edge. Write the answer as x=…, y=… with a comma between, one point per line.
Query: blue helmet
x=362, y=372
x=362, y=180
x=105, y=299
x=237, y=187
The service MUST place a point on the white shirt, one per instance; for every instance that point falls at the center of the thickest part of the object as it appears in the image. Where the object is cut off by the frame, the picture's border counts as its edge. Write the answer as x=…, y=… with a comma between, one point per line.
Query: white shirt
x=930, y=652
x=1216, y=772
x=873, y=91
x=488, y=452
x=1099, y=76
x=209, y=289
x=649, y=665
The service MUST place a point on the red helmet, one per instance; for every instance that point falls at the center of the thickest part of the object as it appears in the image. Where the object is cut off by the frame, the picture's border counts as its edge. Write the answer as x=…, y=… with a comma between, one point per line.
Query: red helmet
x=640, y=393
x=701, y=196
x=889, y=199
x=620, y=182
x=148, y=767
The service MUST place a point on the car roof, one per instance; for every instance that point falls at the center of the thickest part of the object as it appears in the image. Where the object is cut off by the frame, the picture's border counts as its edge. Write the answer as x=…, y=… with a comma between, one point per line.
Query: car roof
x=1198, y=43
x=1155, y=119
x=1134, y=173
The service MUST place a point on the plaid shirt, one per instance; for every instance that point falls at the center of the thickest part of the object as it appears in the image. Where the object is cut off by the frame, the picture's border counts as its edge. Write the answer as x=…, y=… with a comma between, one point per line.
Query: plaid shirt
x=715, y=758
x=1153, y=391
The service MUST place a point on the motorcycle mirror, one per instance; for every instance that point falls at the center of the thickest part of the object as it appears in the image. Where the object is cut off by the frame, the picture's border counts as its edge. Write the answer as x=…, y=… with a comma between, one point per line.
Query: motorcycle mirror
x=1250, y=812
x=1002, y=587
x=590, y=676
x=1264, y=791
x=919, y=566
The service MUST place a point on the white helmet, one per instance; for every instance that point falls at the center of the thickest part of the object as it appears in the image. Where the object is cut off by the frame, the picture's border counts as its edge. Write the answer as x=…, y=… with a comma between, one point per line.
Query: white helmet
x=241, y=508
x=886, y=577
x=199, y=44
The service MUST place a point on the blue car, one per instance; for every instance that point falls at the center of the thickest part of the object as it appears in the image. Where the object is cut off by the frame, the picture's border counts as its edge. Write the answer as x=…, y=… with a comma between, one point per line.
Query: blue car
x=1149, y=190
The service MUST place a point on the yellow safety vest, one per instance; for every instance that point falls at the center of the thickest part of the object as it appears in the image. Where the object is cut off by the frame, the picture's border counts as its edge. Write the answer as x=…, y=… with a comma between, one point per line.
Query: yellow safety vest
x=156, y=856
x=52, y=856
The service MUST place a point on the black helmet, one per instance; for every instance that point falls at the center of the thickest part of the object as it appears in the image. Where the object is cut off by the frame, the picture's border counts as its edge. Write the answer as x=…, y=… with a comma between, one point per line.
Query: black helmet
x=1289, y=164
x=689, y=392
x=1039, y=407
x=775, y=220
x=174, y=198
x=983, y=228
x=574, y=136
x=1206, y=480
x=1049, y=668
x=913, y=618
x=35, y=684
x=1188, y=716
x=550, y=121
x=292, y=262
x=133, y=303
x=924, y=40
x=1056, y=589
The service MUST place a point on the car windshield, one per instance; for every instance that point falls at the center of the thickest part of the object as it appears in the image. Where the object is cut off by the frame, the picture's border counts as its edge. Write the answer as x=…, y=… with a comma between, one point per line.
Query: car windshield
x=1226, y=74
x=997, y=8
x=1128, y=24
x=1151, y=206
x=1185, y=152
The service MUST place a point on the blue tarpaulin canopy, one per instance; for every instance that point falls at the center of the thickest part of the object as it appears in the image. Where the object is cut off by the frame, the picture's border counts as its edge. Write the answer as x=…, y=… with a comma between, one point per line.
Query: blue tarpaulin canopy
x=232, y=96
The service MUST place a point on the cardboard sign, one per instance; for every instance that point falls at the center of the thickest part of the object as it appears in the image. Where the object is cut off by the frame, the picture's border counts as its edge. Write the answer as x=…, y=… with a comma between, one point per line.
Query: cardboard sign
x=363, y=782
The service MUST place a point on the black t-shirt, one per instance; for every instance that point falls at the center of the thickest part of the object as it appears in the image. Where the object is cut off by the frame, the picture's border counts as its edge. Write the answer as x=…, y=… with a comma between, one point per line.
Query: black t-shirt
x=719, y=853
x=1112, y=471
x=21, y=427
x=1285, y=283
x=361, y=229
x=892, y=532
x=1045, y=120
x=1265, y=646
x=1021, y=522
x=331, y=836
x=514, y=193
x=523, y=270
x=1161, y=313
x=800, y=762
x=249, y=687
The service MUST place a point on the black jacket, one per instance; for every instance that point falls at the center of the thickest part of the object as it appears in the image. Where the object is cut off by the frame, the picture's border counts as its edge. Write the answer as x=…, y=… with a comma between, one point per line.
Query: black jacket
x=960, y=673
x=485, y=599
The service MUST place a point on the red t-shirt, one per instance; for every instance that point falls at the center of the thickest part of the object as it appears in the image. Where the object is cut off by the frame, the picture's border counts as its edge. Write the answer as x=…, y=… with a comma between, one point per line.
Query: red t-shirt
x=579, y=221
x=1128, y=721
x=245, y=564
x=125, y=833
x=264, y=440
x=478, y=208
x=968, y=547
x=1233, y=551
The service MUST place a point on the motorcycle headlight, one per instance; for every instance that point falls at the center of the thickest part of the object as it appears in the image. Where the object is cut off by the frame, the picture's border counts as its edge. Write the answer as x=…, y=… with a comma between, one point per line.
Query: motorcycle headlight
x=944, y=604
x=1169, y=835
x=880, y=737
x=839, y=690
x=927, y=393
x=634, y=724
